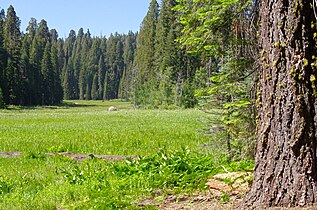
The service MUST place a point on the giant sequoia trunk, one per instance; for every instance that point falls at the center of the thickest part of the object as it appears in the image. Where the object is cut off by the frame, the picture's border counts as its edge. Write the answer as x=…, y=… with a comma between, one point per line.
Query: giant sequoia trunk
x=285, y=169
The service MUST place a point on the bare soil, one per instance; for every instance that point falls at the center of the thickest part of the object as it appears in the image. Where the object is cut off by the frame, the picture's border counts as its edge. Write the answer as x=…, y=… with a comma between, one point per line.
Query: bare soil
x=77, y=157
x=222, y=194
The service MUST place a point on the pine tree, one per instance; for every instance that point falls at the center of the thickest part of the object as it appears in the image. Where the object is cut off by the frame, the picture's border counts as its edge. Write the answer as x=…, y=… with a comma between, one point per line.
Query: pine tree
x=94, y=87
x=33, y=62
x=101, y=77
x=61, y=58
x=68, y=68
x=57, y=94
x=3, y=82
x=106, y=87
x=68, y=83
x=82, y=83
x=119, y=66
x=32, y=28
x=144, y=58
x=48, y=76
x=165, y=52
x=77, y=59
x=114, y=65
x=128, y=58
x=82, y=80
x=69, y=44
x=53, y=36
x=12, y=45
x=2, y=104
x=171, y=62
x=88, y=91
x=41, y=38
x=25, y=71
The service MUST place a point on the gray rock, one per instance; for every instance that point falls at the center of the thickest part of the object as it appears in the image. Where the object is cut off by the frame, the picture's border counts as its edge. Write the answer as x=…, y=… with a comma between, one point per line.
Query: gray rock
x=216, y=128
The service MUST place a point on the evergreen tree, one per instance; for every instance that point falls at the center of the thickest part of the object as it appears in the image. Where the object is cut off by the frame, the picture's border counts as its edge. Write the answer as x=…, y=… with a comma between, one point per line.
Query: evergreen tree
x=40, y=40
x=128, y=58
x=146, y=78
x=42, y=36
x=48, y=76
x=214, y=31
x=82, y=80
x=164, y=39
x=2, y=104
x=94, y=87
x=32, y=28
x=57, y=93
x=114, y=65
x=106, y=87
x=12, y=46
x=69, y=44
x=25, y=71
x=82, y=83
x=119, y=66
x=88, y=91
x=61, y=57
x=165, y=53
x=68, y=82
x=101, y=77
x=77, y=59
x=54, y=36
x=3, y=78
x=171, y=61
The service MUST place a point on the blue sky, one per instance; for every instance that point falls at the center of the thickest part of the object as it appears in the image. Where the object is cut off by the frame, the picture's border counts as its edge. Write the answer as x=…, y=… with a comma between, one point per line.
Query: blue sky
x=102, y=17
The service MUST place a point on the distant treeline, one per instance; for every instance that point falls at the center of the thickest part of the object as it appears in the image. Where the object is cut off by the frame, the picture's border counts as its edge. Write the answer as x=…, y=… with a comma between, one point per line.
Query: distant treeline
x=39, y=68
x=150, y=68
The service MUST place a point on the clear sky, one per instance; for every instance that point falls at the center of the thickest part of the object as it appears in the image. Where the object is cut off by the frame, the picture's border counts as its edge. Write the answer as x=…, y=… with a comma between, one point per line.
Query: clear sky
x=101, y=17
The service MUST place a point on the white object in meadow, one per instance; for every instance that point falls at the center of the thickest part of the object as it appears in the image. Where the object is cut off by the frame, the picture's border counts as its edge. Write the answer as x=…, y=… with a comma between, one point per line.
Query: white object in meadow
x=112, y=108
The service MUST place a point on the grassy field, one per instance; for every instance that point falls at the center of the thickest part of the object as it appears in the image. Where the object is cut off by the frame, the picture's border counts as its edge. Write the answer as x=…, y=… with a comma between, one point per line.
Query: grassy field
x=88, y=127
x=167, y=142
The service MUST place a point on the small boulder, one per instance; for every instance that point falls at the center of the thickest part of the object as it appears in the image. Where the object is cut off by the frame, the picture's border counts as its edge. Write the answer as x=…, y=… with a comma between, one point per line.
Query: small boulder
x=216, y=128
x=112, y=108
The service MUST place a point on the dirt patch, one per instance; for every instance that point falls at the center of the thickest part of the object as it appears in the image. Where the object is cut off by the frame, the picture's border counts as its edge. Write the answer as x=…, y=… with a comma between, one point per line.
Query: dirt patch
x=232, y=183
x=225, y=192
x=194, y=202
x=77, y=157
x=10, y=154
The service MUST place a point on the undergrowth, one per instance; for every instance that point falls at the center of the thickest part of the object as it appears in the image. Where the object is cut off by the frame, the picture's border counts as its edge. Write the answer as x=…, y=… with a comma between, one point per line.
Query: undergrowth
x=98, y=184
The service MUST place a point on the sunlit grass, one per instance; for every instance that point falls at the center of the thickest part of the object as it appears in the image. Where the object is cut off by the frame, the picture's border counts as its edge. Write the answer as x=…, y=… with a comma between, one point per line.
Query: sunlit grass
x=87, y=127
x=57, y=182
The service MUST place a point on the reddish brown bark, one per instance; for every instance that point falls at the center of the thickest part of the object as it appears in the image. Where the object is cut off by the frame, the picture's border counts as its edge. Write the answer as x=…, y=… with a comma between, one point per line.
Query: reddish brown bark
x=285, y=169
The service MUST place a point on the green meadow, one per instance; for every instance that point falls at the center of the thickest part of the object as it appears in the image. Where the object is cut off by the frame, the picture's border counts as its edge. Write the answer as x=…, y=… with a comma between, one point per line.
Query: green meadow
x=88, y=127
x=170, y=159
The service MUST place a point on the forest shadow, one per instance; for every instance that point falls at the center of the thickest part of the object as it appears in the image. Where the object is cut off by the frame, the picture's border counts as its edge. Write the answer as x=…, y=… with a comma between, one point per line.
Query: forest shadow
x=75, y=105
x=63, y=105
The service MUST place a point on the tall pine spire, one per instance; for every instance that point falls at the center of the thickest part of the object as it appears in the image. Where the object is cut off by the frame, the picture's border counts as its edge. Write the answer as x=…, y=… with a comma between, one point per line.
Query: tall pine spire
x=12, y=46
x=144, y=59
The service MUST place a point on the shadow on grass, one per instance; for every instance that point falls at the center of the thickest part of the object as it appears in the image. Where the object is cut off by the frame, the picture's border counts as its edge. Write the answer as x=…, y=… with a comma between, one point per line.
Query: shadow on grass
x=63, y=105
x=75, y=105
